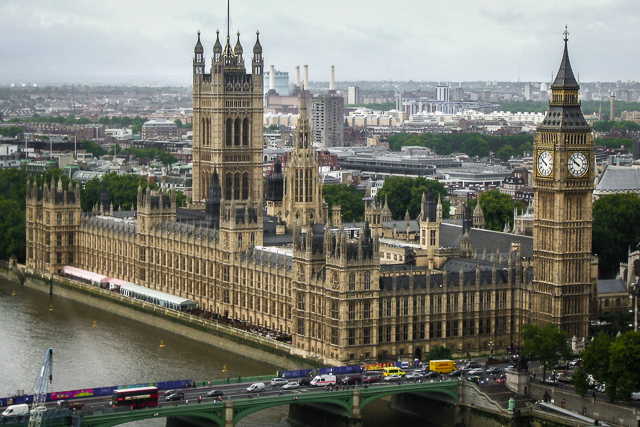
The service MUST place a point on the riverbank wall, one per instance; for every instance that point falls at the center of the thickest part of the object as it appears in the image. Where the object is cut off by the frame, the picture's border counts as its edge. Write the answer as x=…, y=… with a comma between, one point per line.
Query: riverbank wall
x=230, y=339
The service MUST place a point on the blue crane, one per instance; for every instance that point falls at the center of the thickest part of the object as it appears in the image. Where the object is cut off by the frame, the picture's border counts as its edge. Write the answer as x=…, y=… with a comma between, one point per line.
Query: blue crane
x=40, y=390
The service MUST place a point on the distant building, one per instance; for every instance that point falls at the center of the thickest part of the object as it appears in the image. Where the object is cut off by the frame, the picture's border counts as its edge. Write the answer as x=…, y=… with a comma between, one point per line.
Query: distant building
x=154, y=129
x=281, y=82
x=353, y=95
x=442, y=93
x=327, y=119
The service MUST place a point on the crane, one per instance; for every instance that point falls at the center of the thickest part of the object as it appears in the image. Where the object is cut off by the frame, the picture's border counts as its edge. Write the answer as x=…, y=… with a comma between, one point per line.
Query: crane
x=40, y=390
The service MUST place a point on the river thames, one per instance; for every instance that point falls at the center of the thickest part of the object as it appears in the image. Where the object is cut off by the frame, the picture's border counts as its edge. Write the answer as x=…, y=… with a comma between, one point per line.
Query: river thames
x=95, y=348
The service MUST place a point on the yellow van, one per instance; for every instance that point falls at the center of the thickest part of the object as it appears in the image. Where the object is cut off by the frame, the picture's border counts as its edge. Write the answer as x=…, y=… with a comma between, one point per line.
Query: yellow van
x=392, y=370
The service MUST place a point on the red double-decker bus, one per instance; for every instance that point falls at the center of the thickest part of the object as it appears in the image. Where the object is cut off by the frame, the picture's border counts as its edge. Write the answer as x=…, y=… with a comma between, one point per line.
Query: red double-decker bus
x=139, y=397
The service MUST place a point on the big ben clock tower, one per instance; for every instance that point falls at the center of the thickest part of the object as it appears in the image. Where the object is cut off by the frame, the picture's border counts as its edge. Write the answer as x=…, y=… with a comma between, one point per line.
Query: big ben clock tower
x=563, y=183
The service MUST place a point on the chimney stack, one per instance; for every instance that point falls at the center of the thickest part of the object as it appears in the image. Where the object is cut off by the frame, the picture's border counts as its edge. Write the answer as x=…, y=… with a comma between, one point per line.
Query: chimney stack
x=306, y=77
x=272, y=78
x=297, y=76
x=332, y=81
x=612, y=113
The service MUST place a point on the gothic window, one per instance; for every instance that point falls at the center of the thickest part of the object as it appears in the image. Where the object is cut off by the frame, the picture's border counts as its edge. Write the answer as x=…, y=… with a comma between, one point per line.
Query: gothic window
x=59, y=219
x=334, y=309
x=352, y=281
x=70, y=218
x=366, y=336
x=236, y=186
x=239, y=241
x=228, y=132
x=236, y=133
x=228, y=186
x=351, y=340
x=352, y=311
x=301, y=304
x=367, y=310
x=245, y=132
x=300, y=326
x=334, y=336
x=245, y=186
x=367, y=280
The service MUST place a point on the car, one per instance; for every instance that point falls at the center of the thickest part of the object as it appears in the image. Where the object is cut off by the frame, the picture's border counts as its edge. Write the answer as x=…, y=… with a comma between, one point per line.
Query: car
x=432, y=374
x=352, y=379
x=371, y=379
x=472, y=365
x=278, y=382
x=563, y=378
x=178, y=395
x=635, y=395
x=456, y=373
x=393, y=377
x=601, y=388
x=575, y=363
x=414, y=375
x=168, y=392
x=476, y=371
x=290, y=385
x=494, y=371
x=304, y=381
x=215, y=393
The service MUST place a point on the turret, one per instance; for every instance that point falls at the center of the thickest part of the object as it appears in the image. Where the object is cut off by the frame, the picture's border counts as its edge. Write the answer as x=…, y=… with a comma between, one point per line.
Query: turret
x=198, y=60
x=238, y=51
x=217, y=48
x=257, y=62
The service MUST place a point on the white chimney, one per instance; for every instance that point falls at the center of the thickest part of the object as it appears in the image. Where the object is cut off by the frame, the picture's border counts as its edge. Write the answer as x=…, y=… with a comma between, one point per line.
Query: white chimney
x=297, y=75
x=272, y=79
x=306, y=77
x=332, y=80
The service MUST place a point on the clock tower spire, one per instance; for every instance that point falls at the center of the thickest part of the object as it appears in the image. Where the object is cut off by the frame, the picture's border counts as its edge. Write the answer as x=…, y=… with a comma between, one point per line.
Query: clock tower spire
x=563, y=289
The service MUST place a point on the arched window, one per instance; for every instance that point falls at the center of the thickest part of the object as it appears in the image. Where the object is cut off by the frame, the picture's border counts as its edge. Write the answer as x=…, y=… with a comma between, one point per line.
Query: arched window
x=367, y=280
x=236, y=186
x=606, y=303
x=245, y=186
x=245, y=132
x=228, y=132
x=228, y=185
x=352, y=281
x=236, y=135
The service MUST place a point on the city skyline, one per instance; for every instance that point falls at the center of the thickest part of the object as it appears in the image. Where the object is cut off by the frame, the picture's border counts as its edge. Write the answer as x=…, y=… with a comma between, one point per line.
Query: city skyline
x=152, y=42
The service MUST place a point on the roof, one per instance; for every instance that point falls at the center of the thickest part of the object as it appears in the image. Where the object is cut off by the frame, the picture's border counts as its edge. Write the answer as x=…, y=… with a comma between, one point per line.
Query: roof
x=619, y=179
x=84, y=274
x=611, y=286
x=492, y=241
x=155, y=294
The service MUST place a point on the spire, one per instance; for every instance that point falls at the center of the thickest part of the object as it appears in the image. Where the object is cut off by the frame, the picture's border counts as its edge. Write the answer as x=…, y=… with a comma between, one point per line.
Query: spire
x=238, y=49
x=565, y=77
x=257, y=48
x=198, y=48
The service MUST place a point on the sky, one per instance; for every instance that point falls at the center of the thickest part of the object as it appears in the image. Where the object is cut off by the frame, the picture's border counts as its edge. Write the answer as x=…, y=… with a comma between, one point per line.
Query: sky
x=152, y=41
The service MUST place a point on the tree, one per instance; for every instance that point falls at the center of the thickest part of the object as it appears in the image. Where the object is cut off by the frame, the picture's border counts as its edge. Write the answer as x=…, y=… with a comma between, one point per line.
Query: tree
x=440, y=353
x=12, y=230
x=624, y=361
x=616, y=227
x=506, y=152
x=94, y=148
x=595, y=358
x=11, y=131
x=403, y=193
x=497, y=208
x=476, y=146
x=527, y=147
x=547, y=345
x=580, y=382
x=178, y=123
x=122, y=190
x=348, y=198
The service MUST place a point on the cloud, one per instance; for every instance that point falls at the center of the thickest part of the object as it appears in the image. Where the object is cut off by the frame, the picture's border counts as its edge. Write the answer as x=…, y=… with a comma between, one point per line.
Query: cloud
x=46, y=40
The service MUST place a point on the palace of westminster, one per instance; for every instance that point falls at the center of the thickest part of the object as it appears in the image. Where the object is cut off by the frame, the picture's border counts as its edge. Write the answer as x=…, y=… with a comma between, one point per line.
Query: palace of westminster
x=282, y=261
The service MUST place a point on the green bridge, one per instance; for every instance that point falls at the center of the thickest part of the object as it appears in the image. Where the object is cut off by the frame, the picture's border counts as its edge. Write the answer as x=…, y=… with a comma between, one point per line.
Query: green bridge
x=347, y=403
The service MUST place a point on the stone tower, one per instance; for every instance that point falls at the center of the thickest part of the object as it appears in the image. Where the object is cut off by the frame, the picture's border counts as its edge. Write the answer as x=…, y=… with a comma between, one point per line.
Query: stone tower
x=53, y=218
x=227, y=123
x=563, y=183
x=303, y=192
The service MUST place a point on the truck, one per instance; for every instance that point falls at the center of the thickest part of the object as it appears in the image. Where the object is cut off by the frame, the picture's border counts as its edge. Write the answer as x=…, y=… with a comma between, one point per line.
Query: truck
x=442, y=366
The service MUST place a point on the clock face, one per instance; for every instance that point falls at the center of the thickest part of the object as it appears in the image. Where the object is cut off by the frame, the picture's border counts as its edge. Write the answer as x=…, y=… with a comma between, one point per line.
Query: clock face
x=578, y=164
x=545, y=163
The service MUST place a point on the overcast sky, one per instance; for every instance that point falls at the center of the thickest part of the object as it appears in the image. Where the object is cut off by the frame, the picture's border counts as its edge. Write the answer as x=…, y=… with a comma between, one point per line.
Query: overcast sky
x=138, y=41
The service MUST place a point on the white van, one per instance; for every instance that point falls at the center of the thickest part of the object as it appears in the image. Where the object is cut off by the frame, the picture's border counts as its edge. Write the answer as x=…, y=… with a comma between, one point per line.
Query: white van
x=255, y=388
x=12, y=410
x=323, y=380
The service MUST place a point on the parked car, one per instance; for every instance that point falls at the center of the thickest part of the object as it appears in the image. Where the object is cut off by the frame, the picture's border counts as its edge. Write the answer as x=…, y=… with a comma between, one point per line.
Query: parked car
x=178, y=395
x=456, y=373
x=278, y=381
x=215, y=393
x=495, y=371
x=575, y=363
x=476, y=371
x=393, y=377
x=291, y=385
x=601, y=387
x=472, y=365
x=371, y=379
x=304, y=381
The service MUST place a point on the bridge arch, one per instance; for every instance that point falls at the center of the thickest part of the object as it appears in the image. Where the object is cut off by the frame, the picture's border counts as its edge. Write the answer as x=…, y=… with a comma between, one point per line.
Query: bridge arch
x=244, y=408
x=368, y=397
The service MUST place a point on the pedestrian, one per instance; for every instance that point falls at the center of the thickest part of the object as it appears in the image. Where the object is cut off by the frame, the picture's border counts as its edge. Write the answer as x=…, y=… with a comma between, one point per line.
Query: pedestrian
x=199, y=399
x=280, y=394
x=186, y=402
x=228, y=380
x=209, y=383
x=239, y=379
